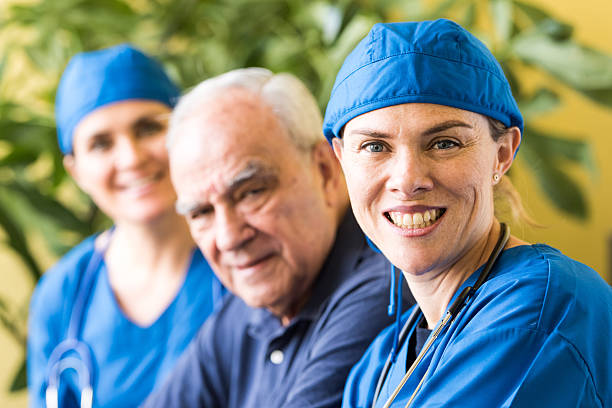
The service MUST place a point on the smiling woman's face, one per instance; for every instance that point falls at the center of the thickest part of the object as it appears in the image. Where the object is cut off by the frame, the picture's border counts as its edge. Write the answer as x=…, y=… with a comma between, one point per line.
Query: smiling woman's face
x=420, y=179
x=120, y=160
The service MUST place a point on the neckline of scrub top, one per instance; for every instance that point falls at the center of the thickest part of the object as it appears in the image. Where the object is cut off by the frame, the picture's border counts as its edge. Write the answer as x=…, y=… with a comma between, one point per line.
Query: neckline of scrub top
x=119, y=311
x=399, y=368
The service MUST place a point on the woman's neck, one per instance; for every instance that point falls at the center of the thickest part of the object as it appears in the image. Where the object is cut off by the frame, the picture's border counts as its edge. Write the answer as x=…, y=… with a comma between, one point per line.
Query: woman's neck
x=434, y=290
x=147, y=264
x=149, y=244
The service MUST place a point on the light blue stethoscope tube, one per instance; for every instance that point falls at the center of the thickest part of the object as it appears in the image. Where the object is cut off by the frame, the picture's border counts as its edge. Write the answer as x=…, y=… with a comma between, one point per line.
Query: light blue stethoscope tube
x=72, y=353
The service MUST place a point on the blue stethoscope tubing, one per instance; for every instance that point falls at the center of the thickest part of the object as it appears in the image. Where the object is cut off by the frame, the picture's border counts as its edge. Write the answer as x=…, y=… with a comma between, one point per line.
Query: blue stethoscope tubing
x=72, y=353
x=462, y=300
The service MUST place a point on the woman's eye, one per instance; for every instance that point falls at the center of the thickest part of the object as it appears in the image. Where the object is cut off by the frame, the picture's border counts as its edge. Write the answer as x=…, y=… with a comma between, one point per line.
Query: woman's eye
x=445, y=144
x=99, y=144
x=374, y=147
x=149, y=127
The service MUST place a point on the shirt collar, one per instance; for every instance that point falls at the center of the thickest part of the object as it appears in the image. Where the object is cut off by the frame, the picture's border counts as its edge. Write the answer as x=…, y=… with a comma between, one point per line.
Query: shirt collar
x=338, y=266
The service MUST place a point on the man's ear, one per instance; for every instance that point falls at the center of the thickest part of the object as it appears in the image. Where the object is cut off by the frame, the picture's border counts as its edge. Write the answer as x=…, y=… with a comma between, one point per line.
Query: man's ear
x=329, y=169
x=508, y=144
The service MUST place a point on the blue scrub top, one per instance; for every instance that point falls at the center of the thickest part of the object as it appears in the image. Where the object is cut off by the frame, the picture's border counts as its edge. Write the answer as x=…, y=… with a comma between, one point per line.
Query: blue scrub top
x=537, y=334
x=129, y=360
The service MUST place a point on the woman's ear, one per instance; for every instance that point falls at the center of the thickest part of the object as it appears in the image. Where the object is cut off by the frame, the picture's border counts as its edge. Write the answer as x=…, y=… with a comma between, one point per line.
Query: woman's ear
x=70, y=166
x=507, y=147
x=338, y=147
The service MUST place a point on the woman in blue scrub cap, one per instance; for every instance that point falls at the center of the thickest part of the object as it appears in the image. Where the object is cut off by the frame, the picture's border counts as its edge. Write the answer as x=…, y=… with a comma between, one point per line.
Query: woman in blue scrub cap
x=109, y=320
x=425, y=126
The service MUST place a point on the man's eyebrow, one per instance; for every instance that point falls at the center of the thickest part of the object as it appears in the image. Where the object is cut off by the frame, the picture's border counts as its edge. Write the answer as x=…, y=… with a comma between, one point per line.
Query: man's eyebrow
x=182, y=208
x=253, y=170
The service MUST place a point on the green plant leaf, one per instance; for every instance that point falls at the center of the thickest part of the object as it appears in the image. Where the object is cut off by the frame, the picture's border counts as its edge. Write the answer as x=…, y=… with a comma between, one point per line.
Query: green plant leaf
x=563, y=192
x=11, y=323
x=469, y=17
x=326, y=17
x=547, y=23
x=17, y=241
x=2, y=67
x=579, y=67
x=544, y=100
x=556, y=148
x=49, y=207
x=513, y=79
x=19, y=157
x=501, y=12
x=441, y=9
x=602, y=96
x=535, y=14
x=20, y=380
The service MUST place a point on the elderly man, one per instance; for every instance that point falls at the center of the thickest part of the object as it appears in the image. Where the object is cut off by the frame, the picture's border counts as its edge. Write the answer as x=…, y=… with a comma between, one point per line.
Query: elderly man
x=266, y=203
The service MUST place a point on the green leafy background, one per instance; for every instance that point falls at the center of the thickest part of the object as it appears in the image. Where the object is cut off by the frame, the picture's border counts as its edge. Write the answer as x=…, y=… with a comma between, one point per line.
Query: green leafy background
x=557, y=55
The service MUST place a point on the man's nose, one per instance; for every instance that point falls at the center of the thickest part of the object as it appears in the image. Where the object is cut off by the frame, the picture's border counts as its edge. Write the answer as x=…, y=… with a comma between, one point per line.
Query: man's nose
x=409, y=174
x=232, y=231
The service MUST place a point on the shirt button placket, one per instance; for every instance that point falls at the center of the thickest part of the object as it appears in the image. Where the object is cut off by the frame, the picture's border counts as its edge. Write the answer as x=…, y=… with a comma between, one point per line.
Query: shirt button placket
x=277, y=357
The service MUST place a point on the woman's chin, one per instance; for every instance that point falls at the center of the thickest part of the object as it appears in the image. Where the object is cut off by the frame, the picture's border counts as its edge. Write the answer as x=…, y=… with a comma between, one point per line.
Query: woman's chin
x=412, y=261
x=144, y=214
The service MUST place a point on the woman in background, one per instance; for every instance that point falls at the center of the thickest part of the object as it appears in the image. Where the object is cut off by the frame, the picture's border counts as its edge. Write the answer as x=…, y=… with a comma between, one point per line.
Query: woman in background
x=112, y=316
x=425, y=126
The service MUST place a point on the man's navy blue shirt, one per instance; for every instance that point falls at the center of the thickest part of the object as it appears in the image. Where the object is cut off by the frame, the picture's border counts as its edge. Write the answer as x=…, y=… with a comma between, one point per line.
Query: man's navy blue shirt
x=243, y=357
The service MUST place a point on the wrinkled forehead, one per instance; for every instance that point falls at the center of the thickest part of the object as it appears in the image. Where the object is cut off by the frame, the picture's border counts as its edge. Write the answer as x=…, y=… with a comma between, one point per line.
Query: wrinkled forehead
x=414, y=118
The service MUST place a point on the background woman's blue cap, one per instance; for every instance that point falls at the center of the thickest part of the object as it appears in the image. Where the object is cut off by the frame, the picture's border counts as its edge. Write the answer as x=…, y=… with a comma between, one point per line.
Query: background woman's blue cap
x=435, y=62
x=94, y=79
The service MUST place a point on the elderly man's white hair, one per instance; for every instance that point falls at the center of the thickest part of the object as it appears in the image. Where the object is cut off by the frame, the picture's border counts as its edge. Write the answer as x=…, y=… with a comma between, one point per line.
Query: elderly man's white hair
x=288, y=97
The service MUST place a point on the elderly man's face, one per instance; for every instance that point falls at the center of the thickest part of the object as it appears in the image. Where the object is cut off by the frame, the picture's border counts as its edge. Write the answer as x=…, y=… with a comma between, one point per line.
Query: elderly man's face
x=261, y=210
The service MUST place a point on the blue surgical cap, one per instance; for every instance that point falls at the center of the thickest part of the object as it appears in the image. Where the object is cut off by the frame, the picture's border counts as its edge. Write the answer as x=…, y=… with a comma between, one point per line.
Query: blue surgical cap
x=95, y=79
x=436, y=62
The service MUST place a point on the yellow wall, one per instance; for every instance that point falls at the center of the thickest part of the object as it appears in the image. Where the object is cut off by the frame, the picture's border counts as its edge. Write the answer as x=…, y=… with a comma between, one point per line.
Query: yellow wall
x=585, y=241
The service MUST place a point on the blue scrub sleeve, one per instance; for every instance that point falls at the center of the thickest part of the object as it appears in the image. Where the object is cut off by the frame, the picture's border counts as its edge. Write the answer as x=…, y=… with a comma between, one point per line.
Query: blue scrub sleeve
x=508, y=367
x=47, y=316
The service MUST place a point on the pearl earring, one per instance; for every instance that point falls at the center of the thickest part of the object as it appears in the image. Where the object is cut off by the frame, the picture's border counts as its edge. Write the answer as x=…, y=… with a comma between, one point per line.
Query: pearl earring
x=496, y=177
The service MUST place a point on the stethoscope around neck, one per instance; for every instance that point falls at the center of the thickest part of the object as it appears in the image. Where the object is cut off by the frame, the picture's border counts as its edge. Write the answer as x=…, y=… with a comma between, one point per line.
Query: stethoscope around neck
x=453, y=311
x=72, y=353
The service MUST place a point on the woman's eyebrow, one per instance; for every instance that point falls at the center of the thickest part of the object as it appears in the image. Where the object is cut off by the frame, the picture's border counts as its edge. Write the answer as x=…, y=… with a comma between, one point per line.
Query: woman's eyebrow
x=370, y=133
x=441, y=127
x=150, y=118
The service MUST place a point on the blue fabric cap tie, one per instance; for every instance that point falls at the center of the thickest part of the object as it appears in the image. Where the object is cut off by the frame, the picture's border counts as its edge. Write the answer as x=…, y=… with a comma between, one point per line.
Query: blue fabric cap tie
x=95, y=79
x=436, y=62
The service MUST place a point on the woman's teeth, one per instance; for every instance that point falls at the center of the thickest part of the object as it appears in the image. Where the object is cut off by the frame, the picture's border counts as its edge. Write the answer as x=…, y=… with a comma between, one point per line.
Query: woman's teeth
x=415, y=220
x=141, y=181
